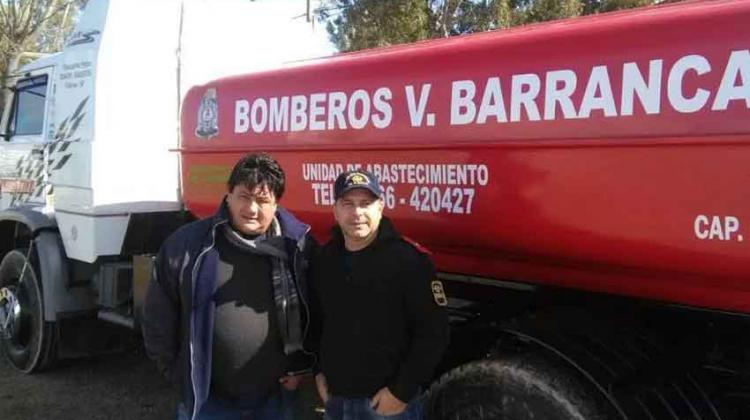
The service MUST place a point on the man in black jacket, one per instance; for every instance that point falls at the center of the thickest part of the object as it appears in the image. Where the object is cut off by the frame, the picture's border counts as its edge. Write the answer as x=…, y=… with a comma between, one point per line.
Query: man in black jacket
x=226, y=309
x=384, y=330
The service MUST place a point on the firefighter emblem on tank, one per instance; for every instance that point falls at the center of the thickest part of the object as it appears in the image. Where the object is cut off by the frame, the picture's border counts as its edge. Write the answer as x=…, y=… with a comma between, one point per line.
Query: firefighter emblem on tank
x=208, y=116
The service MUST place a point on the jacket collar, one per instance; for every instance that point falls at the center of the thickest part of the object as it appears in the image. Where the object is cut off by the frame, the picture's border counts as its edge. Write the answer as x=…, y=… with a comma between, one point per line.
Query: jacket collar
x=386, y=232
x=291, y=227
x=222, y=213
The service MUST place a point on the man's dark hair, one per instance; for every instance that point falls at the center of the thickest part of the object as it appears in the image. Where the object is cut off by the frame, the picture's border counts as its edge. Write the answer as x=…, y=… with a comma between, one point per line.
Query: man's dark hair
x=258, y=169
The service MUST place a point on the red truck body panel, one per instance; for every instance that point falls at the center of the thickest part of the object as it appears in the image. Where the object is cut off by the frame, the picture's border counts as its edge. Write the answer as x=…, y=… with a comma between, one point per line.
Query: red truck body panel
x=609, y=153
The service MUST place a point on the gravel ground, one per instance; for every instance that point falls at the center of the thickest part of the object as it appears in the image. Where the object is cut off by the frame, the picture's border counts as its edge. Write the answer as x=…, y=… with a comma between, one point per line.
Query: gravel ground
x=113, y=387
x=123, y=386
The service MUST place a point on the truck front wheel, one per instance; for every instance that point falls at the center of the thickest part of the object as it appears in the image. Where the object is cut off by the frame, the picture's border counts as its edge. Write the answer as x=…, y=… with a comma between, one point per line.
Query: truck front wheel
x=518, y=387
x=27, y=339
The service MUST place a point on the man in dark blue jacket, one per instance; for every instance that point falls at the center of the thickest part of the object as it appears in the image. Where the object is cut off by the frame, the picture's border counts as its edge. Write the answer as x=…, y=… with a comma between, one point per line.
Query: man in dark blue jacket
x=226, y=312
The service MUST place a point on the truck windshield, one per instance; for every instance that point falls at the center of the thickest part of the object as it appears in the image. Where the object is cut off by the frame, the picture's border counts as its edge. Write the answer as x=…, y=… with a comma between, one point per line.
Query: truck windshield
x=28, y=107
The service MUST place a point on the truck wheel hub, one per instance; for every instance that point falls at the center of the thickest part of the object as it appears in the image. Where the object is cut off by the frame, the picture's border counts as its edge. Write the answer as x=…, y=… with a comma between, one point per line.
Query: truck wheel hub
x=10, y=314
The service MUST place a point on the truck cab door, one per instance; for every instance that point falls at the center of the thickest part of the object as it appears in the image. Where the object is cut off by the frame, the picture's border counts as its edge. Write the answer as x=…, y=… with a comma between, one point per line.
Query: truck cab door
x=23, y=172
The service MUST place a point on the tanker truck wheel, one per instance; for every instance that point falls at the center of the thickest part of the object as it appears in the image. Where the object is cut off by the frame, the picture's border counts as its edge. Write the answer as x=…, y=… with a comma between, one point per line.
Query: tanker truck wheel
x=27, y=339
x=519, y=387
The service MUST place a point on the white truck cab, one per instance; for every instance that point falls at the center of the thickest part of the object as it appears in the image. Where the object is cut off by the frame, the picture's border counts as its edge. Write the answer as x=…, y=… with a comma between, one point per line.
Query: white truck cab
x=89, y=174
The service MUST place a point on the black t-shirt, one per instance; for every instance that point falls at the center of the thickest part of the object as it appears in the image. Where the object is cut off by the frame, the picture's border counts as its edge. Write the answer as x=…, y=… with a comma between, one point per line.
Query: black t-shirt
x=248, y=357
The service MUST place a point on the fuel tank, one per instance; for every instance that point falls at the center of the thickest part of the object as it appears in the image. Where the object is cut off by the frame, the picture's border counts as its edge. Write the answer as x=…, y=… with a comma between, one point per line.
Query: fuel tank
x=607, y=153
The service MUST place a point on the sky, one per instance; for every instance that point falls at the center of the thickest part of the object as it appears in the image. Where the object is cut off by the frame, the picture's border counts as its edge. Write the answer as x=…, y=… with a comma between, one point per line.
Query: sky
x=222, y=37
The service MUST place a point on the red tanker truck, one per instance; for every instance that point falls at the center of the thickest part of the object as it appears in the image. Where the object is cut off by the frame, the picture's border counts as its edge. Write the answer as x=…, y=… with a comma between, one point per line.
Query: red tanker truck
x=583, y=187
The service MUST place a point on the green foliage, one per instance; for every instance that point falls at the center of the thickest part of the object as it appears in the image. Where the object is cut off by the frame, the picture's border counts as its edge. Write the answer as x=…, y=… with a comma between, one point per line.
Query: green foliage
x=503, y=13
x=599, y=6
x=471, y=17
x=545, y=10
x=358, y=24
x=355, y=25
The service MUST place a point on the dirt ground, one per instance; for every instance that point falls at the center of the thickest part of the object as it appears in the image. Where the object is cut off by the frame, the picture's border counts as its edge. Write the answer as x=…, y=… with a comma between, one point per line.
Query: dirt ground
x=113, y=387
x=122, y=386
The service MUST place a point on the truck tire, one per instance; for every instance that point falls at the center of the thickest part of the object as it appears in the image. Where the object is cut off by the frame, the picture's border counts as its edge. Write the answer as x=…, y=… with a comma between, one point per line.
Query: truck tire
x=30, y=344
x=515, y=388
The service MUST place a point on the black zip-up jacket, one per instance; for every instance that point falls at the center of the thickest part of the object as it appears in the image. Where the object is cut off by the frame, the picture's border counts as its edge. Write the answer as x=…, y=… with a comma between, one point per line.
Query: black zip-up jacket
x=179, y=309
x=381, y=325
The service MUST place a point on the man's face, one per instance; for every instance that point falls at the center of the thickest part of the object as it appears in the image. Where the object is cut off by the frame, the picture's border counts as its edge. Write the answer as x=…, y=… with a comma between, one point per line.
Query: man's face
x=251, y=211
x=358, y=213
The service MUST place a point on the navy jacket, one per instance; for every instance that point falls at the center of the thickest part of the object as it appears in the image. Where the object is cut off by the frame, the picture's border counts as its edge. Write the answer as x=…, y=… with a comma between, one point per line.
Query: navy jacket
x=178, y=314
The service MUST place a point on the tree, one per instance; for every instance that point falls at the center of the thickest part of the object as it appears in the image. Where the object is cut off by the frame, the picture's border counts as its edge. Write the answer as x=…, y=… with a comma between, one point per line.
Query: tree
x=544, y=10
x=358, y=24
x=458, y=17
x=444, y=17
x=34, y=26
x=599, y=6
x=54, y=32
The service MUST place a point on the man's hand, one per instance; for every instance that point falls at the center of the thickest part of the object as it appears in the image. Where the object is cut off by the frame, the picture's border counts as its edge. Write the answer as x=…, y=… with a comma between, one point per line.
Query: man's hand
x=322, y=385
x=290, y=383
x=386, y=404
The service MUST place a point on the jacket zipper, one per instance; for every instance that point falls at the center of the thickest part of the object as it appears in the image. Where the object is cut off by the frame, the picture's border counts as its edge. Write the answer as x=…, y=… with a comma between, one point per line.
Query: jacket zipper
x=192, y=318
x=304, y=304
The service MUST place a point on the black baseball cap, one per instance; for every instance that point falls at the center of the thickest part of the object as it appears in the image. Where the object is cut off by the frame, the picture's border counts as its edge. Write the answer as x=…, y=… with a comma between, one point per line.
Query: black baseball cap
x=350, y=180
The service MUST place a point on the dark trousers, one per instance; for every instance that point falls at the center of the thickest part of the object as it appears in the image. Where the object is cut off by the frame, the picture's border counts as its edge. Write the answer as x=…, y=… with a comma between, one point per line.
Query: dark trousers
x=340, y=408
x=276, y=407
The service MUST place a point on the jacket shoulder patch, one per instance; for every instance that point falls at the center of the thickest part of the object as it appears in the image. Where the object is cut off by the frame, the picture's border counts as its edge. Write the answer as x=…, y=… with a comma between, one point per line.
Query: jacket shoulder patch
x=439, y=293
x=419, y=247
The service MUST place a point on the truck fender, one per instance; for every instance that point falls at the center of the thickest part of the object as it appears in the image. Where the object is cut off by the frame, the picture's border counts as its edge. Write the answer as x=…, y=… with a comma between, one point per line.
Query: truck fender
x=33, y=219
x=53, y=266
